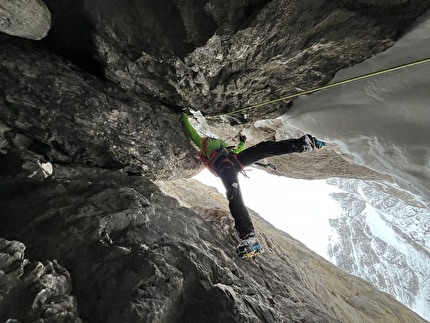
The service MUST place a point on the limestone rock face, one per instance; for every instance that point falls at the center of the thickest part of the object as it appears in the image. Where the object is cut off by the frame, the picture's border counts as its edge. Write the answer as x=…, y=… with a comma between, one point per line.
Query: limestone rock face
x=136, y=255
x=54, y=112
x=32, y=291
x=89, y=117
x=218, y=56
x=25, y=18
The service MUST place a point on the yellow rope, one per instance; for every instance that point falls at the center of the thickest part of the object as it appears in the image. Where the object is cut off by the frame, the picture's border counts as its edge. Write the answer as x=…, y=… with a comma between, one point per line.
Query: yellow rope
x=353, y=79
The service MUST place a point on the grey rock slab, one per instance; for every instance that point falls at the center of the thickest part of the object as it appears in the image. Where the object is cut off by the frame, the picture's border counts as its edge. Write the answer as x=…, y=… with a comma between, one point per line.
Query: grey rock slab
x=25, y=18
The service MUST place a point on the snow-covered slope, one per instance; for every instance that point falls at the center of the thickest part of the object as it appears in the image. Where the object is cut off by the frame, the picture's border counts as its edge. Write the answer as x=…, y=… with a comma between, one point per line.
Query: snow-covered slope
x=384, y=237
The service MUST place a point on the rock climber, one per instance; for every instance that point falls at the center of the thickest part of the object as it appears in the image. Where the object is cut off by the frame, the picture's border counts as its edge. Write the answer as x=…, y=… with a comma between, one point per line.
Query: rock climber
x=226, y=162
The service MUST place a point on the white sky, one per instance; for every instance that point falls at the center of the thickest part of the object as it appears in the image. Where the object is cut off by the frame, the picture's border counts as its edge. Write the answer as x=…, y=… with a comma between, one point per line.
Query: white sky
x=301, y=208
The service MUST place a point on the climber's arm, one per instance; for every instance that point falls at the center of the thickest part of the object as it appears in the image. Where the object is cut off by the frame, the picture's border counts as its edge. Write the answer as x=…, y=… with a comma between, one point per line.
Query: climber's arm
x=191, y=132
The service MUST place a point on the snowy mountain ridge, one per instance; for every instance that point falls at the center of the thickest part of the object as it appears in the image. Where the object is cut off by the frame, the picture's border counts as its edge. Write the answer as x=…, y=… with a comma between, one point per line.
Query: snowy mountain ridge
x=383, y=237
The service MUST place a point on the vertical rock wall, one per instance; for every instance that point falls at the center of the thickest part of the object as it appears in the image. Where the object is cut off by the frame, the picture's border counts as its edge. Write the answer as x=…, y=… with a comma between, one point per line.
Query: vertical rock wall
x=88, y=116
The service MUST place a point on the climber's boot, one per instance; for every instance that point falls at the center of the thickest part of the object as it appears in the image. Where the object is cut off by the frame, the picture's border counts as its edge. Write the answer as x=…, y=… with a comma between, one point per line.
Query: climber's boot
x=249, y=248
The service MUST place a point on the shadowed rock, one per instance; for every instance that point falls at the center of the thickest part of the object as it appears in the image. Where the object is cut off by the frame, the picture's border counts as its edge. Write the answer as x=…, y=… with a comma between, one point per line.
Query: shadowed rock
x=54, y=112
x=32, y=291
x=136, y=256
x=89, y=116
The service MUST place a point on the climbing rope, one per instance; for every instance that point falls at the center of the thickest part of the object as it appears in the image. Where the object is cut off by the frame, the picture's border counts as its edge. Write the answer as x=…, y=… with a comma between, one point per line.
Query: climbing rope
x=353, y=79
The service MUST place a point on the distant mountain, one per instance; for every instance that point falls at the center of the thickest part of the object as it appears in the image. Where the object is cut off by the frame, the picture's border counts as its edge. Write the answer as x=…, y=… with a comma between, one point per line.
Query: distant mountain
x=384, y=237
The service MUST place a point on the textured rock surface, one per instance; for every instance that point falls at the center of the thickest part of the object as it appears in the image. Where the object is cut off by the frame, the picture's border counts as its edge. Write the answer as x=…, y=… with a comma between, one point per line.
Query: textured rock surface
x=25, y=18
x=83, y=120
x=34, y=291
x=135, y=255
x=55, y=112
x=71, y=139
x=222, y=55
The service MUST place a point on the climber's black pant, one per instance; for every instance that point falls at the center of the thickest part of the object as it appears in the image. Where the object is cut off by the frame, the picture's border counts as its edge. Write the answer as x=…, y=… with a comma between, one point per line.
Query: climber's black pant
x=227, y=170
x=242, y=221
x=271, y=148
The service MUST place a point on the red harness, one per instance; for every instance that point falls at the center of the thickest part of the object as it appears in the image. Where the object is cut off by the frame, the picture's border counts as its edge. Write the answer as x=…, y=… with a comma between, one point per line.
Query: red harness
x=220, y=157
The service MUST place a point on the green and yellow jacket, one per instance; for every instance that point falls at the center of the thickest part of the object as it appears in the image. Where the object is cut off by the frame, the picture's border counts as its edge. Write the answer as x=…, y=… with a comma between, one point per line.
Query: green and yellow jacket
x=212, y=144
